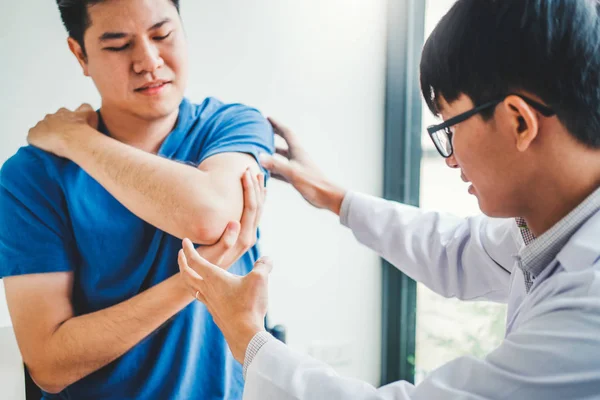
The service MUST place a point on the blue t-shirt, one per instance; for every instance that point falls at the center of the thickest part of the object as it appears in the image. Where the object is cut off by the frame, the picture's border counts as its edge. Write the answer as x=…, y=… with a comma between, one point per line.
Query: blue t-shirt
x=54, y=217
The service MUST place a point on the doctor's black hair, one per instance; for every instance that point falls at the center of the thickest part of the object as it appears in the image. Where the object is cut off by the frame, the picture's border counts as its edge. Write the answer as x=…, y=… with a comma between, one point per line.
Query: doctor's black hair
x=75, y=17
x=487, y=49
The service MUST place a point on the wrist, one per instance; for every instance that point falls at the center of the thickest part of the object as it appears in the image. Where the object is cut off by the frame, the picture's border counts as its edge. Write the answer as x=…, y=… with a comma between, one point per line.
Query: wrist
x=242, y=340
x=334, y=196
x=73, y=144
x=181, y=288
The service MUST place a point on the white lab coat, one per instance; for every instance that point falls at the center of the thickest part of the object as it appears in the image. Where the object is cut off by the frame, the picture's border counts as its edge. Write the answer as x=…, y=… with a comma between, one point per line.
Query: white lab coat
x=468, y=259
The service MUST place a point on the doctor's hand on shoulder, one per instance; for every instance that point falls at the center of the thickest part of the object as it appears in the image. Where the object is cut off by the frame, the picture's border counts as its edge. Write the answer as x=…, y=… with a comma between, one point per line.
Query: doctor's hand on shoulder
x=293, y=165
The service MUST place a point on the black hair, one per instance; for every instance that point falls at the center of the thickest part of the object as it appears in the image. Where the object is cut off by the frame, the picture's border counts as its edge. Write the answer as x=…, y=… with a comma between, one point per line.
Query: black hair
x=487, y=49
x=75, y=17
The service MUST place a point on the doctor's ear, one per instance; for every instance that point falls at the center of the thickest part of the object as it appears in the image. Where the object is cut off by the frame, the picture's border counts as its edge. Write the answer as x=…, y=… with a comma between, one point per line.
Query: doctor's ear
x=79, y=53
x=524, y=122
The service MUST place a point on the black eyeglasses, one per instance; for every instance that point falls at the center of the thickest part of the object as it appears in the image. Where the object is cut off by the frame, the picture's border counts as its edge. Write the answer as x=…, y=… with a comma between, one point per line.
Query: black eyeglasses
x=441, y=134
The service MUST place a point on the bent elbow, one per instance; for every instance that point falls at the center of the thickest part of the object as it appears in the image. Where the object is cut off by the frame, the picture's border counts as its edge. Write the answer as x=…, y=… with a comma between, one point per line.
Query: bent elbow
x=205, y=222
x=209, y=228
x=207, y=235
x=46, y=378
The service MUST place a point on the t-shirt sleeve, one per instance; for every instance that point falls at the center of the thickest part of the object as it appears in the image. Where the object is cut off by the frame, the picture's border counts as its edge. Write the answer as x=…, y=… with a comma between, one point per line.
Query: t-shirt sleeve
x=238, y=128
x=34, y=229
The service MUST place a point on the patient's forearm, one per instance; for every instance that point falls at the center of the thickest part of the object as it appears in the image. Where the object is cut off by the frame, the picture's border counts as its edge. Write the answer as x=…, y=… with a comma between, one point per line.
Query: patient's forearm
x=84, y=344
x=176, y=198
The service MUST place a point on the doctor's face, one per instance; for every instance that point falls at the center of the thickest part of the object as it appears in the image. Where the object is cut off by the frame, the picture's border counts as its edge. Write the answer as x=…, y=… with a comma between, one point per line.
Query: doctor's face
x=135, y=52
x=488, y=159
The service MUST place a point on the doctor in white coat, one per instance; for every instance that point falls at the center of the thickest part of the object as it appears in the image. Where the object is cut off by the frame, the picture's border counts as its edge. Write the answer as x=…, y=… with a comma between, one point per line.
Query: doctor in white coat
x=517, y=83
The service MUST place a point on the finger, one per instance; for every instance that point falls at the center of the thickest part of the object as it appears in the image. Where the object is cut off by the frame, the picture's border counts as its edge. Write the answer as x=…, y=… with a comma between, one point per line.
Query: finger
x=263, y=266
x=256, y=183
x=217, y=253
x=262, y=193
x=262, y=186
x=205, y=269
x=188, y=275
x=91, y=115
x=277, y=166
x=250, y=205
x=283, y=152
x=230, y=236
x=191, y=278
x=279, y=178
x=226, y=242
x=283, y=131
x=85, y=107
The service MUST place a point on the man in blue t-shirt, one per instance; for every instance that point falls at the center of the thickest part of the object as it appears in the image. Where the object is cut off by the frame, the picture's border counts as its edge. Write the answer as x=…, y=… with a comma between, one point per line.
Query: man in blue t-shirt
x=92, y=214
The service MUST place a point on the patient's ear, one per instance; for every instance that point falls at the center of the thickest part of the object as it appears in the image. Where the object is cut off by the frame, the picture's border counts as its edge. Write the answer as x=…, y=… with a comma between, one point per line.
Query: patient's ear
x=79, y=53
x=524, y=122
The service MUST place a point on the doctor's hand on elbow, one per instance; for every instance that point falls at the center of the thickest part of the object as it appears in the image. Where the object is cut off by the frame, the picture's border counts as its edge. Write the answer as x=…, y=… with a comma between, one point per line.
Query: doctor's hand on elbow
x=239, y=237
x=294, y=166
x=238, y=304
x=57, y=132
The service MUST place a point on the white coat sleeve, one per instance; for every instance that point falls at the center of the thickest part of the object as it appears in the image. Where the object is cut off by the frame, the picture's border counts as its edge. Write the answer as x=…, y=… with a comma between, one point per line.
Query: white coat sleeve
x=468, y=258
x=533, y=362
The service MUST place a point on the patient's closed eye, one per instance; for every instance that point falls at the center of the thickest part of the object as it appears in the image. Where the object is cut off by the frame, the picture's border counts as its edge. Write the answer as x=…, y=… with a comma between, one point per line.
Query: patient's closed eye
x=163, y=37
x=121, y=48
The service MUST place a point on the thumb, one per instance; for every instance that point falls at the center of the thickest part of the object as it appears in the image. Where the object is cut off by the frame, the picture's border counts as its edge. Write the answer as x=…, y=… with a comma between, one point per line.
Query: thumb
x=230, y=235
x=263, y=265
x=277, y=166
x=85, y=107
x=90, y=114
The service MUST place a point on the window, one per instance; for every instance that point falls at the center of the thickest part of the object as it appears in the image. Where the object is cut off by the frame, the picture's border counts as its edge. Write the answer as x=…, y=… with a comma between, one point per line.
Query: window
x=448, y=328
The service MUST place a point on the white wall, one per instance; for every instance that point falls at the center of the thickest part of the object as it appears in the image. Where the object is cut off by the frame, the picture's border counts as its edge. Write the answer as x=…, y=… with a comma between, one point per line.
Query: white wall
x=318, y=65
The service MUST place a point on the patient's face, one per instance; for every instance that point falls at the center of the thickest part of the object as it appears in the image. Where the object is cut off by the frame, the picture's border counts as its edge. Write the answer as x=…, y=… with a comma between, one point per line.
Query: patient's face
x=133, y=43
